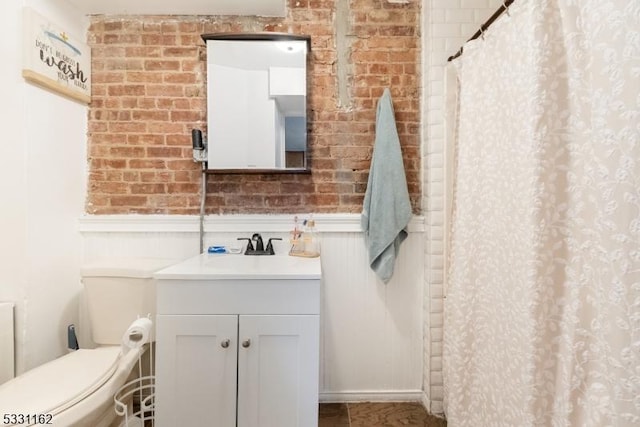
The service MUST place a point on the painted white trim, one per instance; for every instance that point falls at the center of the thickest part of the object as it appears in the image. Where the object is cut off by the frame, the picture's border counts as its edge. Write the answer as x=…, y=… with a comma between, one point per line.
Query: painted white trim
x=327, y=223
x=373, y=396
x=7, y=363
x=137, y=223
x=426, y=402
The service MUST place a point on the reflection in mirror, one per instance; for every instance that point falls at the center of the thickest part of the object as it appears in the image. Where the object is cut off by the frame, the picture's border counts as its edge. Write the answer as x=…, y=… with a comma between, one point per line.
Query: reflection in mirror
x=256, y=101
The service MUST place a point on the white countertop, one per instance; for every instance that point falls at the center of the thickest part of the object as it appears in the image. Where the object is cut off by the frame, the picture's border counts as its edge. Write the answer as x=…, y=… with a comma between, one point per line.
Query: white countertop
x=238, y=266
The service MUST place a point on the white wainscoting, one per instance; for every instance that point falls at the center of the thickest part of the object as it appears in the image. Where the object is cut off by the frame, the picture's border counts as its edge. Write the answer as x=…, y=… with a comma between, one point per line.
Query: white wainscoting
x=7, y=362
x=371, y=333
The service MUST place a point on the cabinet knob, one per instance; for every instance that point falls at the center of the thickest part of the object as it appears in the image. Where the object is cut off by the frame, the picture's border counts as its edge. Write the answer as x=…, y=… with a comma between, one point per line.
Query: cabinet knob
x=225, y=343
x=246, y=343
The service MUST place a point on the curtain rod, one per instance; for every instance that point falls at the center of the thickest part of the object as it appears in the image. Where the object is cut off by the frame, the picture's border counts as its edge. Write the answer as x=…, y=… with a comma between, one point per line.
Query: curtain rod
x=483, y=27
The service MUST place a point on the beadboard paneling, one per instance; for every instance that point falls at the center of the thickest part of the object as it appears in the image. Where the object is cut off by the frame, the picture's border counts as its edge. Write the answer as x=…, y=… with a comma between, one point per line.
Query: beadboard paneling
x=7, y=366
x=371, y=333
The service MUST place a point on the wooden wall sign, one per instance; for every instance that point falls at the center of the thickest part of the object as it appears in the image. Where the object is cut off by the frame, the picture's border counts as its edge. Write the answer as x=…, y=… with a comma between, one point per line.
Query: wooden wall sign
x=54, y=59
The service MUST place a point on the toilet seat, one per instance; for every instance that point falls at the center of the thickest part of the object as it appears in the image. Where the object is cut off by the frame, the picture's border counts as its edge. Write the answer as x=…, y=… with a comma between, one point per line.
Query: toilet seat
x=61, y=383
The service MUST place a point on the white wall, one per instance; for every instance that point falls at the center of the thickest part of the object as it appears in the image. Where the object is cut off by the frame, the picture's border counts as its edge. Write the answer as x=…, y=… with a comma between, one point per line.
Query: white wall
x=447, y=25
x=371, y=345
x=43, y=174
x=12, y=161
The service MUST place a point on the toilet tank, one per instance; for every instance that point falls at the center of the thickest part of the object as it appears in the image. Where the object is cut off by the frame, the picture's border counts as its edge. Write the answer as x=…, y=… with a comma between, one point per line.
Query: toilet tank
x=118, y=291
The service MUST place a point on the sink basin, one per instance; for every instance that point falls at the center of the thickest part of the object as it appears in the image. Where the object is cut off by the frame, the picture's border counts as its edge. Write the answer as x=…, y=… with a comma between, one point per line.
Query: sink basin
x=235, y=266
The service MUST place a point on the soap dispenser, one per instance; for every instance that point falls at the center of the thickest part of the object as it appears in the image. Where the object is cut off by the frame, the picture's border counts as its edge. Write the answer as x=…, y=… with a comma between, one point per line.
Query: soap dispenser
x=310, y=238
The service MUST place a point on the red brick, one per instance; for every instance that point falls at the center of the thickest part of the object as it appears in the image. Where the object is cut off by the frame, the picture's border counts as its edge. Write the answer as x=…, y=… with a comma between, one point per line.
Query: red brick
x=128, y=201
x=148, y=188
x=155, y=177
x=121, y=38
x=150, y=91
x=165, y=90
x=147, y=164
x=166, y=128
x=147, y=115
x=180, y=78
x=127, y=127
x=185, y=116
x=126, y=152
x=145, y=139
x=192, y=188
x=108, y=26
x=143, y=51
x=109, y=187
x=125, y=90
x=169, y=152
x=189, y=51
x=161, y=65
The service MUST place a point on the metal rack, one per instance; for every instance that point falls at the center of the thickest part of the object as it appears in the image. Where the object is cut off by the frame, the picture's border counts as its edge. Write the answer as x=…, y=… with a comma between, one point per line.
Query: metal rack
x=142, y=388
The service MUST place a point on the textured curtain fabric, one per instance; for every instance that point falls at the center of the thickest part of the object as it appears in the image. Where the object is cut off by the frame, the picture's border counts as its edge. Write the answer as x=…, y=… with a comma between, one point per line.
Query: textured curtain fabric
x=542, y=314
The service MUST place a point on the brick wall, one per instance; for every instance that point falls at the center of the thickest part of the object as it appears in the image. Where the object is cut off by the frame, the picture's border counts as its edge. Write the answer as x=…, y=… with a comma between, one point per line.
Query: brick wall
x=149, y=91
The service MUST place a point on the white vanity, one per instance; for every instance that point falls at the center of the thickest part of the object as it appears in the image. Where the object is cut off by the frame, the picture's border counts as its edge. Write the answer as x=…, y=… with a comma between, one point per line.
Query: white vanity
x=238, y=341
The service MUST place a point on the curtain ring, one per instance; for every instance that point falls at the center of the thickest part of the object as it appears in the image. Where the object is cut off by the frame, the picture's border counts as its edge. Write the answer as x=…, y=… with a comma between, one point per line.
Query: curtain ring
x=506, y=8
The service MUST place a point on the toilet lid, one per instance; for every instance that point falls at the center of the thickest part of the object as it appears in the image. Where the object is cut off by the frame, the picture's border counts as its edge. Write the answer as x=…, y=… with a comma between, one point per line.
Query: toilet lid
x=59, y=384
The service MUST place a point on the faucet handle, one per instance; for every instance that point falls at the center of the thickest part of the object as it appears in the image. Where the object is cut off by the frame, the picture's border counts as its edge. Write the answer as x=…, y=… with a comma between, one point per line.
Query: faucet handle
x=259, y=243
x=249, y=243
x=270, y=245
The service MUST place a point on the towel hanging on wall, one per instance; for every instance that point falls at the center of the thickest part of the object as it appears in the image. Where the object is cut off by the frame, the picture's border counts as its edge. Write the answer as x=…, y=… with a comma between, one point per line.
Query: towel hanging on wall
x=386, y=211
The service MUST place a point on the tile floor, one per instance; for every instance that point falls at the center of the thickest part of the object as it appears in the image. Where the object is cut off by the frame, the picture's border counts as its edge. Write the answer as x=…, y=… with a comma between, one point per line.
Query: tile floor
x=390, y=414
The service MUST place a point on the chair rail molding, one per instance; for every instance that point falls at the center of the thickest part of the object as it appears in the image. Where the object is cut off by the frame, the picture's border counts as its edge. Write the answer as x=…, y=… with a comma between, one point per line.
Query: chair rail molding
x=331, y=223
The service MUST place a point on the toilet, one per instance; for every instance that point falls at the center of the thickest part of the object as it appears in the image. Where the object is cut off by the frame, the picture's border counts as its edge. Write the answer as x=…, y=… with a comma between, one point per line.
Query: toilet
x=78, y=388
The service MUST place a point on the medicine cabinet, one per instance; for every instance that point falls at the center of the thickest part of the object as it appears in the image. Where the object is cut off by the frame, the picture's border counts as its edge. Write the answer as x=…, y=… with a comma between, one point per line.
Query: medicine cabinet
x=257, y=102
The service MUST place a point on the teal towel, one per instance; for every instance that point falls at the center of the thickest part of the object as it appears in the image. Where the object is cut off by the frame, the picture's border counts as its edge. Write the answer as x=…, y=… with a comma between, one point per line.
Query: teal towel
x=387, y=209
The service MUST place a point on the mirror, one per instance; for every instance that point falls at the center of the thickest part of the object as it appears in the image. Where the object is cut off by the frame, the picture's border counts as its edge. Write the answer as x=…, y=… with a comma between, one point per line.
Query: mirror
x=257, y=102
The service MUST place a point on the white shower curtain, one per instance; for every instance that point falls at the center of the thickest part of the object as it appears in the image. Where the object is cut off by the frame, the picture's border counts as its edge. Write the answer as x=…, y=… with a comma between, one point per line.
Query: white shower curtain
x=542, y=314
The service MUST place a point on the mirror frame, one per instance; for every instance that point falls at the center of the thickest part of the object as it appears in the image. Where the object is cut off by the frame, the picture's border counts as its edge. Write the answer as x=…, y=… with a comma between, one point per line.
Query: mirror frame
x=266, y=36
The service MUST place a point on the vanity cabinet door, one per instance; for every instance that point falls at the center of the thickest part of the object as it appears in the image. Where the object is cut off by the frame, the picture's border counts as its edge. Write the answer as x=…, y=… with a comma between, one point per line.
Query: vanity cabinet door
x=278, y=371
x=196, y=370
